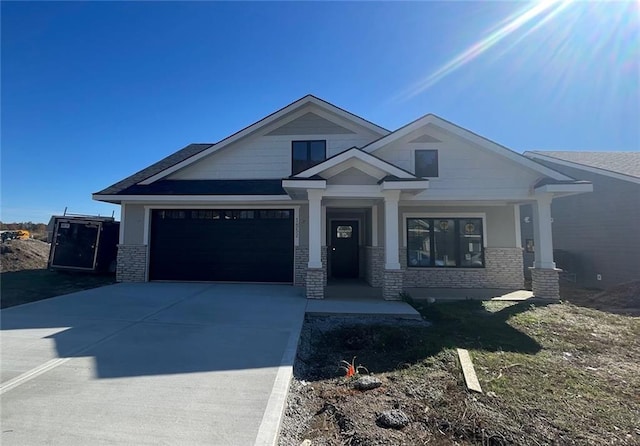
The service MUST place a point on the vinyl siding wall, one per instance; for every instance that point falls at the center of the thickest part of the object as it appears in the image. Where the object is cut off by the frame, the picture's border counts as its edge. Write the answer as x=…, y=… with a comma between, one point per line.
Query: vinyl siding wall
x=268, y=154
x=465, y=170
x=601, y=230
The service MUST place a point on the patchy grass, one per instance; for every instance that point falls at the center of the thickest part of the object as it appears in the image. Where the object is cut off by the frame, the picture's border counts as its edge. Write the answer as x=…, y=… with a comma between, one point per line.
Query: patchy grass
x=552, y=374
x=21, y=287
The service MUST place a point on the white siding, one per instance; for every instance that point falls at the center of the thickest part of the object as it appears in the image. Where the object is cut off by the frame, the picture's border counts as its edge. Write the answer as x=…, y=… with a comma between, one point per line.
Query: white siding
x=268, y=154
x=259, y=158
x=133, y=224
x=464, y=168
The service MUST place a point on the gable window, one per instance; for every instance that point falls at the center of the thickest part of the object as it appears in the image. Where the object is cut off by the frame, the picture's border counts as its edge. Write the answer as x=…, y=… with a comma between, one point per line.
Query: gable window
x=426, y=163
x=445, y=242
x=306, y=154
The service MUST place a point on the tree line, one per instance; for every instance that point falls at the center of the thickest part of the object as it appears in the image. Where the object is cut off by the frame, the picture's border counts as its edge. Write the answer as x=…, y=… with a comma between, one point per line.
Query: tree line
x=33, y=228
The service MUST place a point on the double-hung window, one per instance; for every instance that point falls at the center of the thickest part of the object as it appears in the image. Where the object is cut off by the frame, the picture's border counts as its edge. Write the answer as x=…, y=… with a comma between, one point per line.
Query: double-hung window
x=445, y=242
x=306, y=154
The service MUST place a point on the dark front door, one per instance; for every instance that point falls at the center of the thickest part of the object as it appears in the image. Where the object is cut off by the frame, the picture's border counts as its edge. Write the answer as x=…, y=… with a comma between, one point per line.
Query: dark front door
x=344, y=249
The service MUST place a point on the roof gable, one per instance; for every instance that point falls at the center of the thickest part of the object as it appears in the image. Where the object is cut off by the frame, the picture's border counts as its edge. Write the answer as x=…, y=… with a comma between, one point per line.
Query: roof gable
x=309, y=124
x=354, y=157
x=460, y=132
x=306, y=101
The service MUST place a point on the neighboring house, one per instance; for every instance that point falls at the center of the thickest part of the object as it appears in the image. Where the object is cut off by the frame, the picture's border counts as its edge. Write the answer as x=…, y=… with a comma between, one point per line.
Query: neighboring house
x=596, y=236
x=313, y=192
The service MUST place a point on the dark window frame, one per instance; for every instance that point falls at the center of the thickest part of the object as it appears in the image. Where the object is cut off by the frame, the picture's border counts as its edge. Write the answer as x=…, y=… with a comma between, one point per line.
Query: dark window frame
x=457, y=242
x=434, y=169
x=308, y=163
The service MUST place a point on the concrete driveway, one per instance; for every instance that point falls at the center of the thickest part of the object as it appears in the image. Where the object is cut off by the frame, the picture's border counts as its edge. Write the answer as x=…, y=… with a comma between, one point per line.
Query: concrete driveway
x=152, y=363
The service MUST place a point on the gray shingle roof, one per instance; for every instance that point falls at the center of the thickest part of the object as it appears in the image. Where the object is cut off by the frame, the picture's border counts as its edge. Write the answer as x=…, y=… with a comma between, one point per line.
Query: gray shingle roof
x=207, y=187
x=626, y=163
x=175, y=158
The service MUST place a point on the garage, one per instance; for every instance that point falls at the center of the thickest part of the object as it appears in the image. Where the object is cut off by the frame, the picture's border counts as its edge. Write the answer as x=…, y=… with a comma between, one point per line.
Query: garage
x=239, y=245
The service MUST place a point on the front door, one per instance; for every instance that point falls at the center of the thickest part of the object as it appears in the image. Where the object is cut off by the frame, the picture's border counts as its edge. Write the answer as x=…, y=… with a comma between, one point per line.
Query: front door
x=344, y=249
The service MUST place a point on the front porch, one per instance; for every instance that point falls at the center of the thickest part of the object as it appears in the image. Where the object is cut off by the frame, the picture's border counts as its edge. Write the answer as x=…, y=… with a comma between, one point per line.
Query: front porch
x=367, y=219
x=352, y=238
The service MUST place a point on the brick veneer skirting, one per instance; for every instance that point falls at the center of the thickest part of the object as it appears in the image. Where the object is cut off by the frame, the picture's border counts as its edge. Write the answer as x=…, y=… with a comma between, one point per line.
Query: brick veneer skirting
x=392, y=284
x=545, y=283
x=300, y=261
x=315, y=283
x=374, y=265
x=131, y=263
x=503, y=269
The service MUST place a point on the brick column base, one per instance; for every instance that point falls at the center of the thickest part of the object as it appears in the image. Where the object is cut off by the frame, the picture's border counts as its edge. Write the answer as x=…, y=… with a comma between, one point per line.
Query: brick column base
x=131, y=263
x=315, y=283
x=392, y=284
x=545, y=283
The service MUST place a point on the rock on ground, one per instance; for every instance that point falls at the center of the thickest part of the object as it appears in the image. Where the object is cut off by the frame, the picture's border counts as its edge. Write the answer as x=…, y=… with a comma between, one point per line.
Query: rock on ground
x=394, y=419
x=367, y=382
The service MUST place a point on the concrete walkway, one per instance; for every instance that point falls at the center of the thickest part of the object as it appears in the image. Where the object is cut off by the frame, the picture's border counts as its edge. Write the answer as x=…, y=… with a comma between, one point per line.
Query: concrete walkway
x=152, y=363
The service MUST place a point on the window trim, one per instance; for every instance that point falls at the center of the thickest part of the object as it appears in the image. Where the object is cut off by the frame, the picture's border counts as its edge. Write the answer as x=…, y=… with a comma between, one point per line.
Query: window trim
x=445, y=215
x=308, y=141
x=415, y=164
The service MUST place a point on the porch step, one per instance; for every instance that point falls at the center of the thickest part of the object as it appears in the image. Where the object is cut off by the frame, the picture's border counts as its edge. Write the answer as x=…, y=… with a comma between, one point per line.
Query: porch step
x=361, y=307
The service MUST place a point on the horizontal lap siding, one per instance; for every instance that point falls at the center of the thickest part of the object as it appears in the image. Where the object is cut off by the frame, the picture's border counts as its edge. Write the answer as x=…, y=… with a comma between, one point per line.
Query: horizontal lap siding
x=260, y=158
x=599, y=230
x=464, y=169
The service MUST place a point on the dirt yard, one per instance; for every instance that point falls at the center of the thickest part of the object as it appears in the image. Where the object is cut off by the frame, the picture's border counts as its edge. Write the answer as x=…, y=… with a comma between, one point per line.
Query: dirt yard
x=19, y=255
x=25, y=278
x=552, y=373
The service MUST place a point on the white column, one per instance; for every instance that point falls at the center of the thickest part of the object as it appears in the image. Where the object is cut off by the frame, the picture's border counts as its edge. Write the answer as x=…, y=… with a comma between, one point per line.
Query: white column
x=391, y=235
x=374, y=225
x=315, y=228
x=122, y=214
x=542, y=234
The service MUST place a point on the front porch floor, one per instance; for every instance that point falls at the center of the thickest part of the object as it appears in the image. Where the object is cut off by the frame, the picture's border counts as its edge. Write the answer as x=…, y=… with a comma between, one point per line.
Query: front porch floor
x=469, y=293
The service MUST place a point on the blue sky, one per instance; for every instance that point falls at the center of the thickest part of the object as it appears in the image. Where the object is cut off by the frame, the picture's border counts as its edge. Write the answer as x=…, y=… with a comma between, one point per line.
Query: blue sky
x=94, y=91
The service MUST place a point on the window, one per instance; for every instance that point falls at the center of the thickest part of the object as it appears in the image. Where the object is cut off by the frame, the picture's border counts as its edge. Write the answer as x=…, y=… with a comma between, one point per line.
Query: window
x=306, y=154
x=344, y=232
x=445, y=242
x=426, y=163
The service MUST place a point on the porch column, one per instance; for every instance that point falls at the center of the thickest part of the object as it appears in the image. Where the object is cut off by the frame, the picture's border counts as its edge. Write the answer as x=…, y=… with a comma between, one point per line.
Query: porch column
x=391, y=247
x=393, y=275
x=315, y=229
x=544, y=274
x=315, y=272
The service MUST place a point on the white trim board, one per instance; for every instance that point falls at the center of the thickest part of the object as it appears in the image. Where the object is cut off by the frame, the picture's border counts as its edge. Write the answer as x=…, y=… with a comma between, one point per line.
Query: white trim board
x=460, y=132
x=346, y=158
x=264, y=122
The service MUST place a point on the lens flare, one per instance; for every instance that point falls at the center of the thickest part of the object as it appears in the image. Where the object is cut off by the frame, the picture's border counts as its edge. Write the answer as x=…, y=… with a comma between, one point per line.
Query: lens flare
x=545, y=11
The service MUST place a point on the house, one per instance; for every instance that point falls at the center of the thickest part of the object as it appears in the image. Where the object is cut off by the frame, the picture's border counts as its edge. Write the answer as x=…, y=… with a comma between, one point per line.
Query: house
x=313, y=193
x=595, y=236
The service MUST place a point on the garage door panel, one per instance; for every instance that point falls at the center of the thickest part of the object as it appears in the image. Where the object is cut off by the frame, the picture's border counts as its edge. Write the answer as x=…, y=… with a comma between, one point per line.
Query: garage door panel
x=185, y=246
